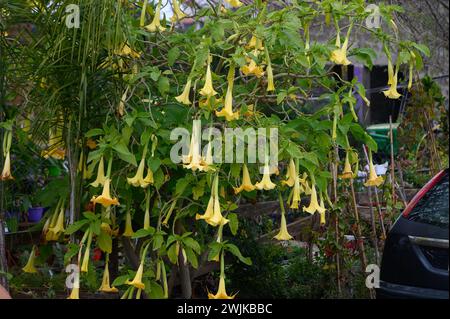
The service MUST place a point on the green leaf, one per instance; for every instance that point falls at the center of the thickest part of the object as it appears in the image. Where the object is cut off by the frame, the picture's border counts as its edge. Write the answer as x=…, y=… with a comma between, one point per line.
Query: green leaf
x=191, y=257
x=172, y=254
x=124, y=154
x=144, y=232
x=156, y=291
x=76, y=226
x=90, y=215
x=94, y=132
x=163, y=85
x=173, y=55
x=234, y=223
x=72, y=251
x=121, y=280
x=192, y=243
x=158, y=240
x=235, y=251
x=422, y=48
x=215, y=249
x=104, y=242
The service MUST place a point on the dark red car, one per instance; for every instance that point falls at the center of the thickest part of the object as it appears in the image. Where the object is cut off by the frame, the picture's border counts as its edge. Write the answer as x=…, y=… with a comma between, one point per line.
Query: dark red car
x=415, y=257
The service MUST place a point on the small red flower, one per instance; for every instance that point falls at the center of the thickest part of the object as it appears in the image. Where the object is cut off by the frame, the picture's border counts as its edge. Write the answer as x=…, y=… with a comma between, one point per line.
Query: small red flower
x=97, y=254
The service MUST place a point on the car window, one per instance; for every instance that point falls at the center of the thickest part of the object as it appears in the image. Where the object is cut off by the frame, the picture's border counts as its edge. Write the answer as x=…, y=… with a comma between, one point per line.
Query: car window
x=432, y=208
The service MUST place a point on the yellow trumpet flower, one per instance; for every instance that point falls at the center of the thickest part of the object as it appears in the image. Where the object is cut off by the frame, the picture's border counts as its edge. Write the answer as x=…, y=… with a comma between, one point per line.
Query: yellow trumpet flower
x=265, y=182
x=128, y=226
x=270, y=83
x=149, y=180
x=411, y=66
x=374, y=179
x=194, y=160
x=339, y=56
x=296, y=194
x=138, y=179
x=178, y=14
x=208, y=89
x=105, y=198
x=304, y=184
x=207, y=161
x=183, y=98
x=106, y=286
x=213, y=214
x=85, y=263
x=209, y=210
x=29, y=267
x=313, y=204
x=347, y=173
x=127, y=51
x=234, y=3
x=100, y=180
x=227, y=111
x=290, y=175
x=392, y=93
x=390, y=71
x=6, y=173
x=55, y=231
x=156, y=23
x=75, y=293
x=283, y=234
x=322, y=212
x=255, y=43
x=137, y=281
x=247, y=184
x=221, y=292
x=252, y=68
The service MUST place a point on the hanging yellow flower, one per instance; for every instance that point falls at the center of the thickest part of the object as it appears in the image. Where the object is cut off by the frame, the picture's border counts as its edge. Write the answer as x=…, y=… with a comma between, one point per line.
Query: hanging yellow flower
x=304, y=184
x=234, y=3
x=127, y=51
x=208, y=89
x=256, y=44
x=128, y=226
x=137, y=281
x=411, y=67
x=247, y=184
x=270, y=83
x=322, y=211
x=213, y=215
x=374, y=179
x=54, y=232
x=227, y=111
x=6, y=173
x=265, y=182
x=106, y=286
x=392, y=93
x=283, y=234
x=29, y=267
x=296, y=193
x=75, y=293
x=221, y=292
x=290, y=175
x=85, y=263
x=138, y=179
x=183, y=98
x=100, y=180
x=313, y=204
x=252, y=68
x=347, y=173
x=339, y=56
x=194, y=159
x=105, y=198
x=156, y=23
x=177, y=13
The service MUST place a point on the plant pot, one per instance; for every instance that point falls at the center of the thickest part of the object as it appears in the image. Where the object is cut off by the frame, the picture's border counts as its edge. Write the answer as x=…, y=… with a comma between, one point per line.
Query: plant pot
x=35, y=214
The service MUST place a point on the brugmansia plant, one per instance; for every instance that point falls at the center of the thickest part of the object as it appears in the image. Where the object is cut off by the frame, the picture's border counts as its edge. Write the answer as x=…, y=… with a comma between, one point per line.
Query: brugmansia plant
x=105, y=97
